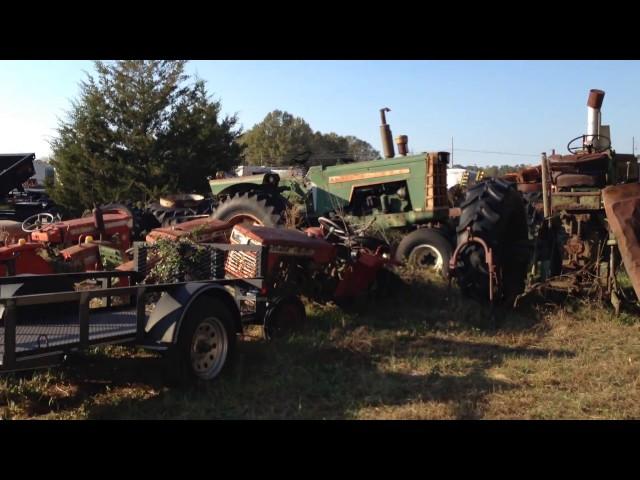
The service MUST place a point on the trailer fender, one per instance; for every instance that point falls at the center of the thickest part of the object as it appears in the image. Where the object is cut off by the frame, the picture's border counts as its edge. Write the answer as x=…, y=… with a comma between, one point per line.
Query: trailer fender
x=163, y=325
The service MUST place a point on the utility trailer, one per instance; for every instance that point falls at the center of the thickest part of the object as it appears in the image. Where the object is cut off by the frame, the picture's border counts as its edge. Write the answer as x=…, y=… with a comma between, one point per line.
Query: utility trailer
x=194, y=322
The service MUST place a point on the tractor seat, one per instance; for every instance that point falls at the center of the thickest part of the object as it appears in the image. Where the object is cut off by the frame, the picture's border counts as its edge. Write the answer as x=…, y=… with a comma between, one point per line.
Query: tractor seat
x=582, y=163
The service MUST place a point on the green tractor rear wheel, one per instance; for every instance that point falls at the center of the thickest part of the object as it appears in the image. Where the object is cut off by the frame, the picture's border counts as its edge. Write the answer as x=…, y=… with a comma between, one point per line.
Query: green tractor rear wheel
x=252, y=208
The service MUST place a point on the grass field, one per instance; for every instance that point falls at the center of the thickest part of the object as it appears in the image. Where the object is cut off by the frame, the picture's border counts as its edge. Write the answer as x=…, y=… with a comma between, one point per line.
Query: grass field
x=423, y=353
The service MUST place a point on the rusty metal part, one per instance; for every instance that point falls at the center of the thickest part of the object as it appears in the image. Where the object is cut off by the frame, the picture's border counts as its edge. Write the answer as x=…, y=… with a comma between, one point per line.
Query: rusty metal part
x=530, y=175
x=622, y=206
x=488, y=256
x=385, y=134
x=529, y=187
x=546, y=193
x=566, y=180
x=595, y=99
x=403, y=145
x=574, y=246
x=579, y=163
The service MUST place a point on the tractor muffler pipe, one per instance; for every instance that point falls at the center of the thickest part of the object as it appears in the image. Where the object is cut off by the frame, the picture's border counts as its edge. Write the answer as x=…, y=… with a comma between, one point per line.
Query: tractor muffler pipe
x=594, y=103
x=403, y=145
x=385, y=134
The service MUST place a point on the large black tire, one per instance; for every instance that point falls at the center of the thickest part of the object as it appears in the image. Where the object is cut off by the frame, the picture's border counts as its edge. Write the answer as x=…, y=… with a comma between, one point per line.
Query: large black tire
x=285, y=315
x=426, y=248
x=494, y=211
x=535, y=215
x=259, y=208
x=207, y=340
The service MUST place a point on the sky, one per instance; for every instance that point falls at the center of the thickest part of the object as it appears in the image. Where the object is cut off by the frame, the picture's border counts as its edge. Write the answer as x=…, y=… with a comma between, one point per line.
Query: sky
x=516, y=109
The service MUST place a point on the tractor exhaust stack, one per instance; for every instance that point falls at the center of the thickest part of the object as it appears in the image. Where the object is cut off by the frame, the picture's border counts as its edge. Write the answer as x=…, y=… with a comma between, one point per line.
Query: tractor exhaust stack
x=403, y=145
x=594, y=103
x=385, y=133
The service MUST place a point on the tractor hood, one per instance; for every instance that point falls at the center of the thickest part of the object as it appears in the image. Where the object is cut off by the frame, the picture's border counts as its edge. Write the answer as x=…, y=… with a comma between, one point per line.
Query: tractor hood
x=15, y=169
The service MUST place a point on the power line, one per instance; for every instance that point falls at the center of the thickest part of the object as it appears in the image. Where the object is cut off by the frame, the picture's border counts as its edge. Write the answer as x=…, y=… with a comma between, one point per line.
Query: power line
x=500, y=153
x=495, y=153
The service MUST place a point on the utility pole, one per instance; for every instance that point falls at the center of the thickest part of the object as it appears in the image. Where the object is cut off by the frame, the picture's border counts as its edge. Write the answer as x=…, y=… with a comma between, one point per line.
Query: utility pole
x=452, y=151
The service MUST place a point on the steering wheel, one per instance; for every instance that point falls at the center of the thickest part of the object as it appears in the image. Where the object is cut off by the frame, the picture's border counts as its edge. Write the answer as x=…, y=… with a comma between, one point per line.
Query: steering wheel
x=35, y=222
x=331, y=227
x=579, y=148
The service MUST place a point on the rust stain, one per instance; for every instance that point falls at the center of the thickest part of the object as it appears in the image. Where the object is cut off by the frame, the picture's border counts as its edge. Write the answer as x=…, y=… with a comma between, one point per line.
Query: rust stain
x=364, y=176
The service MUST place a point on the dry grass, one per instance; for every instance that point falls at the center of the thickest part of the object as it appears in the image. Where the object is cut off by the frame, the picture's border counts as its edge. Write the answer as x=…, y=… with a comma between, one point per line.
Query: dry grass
x=422, y=353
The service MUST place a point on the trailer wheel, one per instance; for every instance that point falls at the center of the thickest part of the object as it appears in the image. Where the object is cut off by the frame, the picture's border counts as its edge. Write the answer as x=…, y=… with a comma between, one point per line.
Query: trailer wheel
x=426, y=248
x=286, y=315
x=207, y=339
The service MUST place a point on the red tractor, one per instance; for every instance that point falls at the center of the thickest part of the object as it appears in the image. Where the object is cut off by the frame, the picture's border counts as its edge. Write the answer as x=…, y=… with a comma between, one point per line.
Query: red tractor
x=325, y=263
x=47, y=245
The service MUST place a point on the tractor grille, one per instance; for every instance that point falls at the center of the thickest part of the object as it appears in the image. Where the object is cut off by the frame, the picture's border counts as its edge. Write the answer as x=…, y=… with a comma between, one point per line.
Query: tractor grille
x=242, y=264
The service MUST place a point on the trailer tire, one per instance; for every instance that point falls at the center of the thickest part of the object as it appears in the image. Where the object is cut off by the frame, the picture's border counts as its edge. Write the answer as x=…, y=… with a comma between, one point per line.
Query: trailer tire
x=493, y=211
x=207, y=340
x=259, y=208
x=426, y=247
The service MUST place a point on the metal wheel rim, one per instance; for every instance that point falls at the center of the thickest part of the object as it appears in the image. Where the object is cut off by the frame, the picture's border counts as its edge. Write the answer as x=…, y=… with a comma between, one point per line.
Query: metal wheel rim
x=421, y=252
x=209, y=348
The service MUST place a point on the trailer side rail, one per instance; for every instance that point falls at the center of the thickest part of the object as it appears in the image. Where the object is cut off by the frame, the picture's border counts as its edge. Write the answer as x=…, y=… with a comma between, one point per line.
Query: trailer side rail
x=24, y=347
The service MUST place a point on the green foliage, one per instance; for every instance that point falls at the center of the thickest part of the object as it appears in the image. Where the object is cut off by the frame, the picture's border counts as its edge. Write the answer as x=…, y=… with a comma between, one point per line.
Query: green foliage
x=180, y=261
x=140, y=129
x=281, y=138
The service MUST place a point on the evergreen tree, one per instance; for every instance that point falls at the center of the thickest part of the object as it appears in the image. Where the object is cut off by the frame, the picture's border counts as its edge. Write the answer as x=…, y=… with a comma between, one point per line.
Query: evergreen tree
x=140, y=129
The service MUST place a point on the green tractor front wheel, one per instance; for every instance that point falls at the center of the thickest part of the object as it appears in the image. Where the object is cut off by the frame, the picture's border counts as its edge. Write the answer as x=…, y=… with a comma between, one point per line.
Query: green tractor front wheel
x=426, y=248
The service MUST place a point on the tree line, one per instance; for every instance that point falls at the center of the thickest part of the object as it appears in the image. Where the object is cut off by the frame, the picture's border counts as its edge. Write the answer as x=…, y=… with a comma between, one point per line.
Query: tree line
x=140, y=129
x=494, y=170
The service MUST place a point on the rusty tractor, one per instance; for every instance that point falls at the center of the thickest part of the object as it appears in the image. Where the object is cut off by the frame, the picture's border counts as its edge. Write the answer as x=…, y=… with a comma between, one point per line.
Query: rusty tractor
x=557, y=227
x=46, y=245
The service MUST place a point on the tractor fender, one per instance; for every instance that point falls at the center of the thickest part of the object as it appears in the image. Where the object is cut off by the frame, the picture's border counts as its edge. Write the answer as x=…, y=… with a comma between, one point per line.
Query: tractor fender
x=164, y=322
x=622, y=207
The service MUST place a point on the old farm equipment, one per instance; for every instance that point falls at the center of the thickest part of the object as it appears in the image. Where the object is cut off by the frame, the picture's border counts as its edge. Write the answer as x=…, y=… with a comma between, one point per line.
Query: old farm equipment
x=406, y=194
x=558, y=228
x=19, y=200
x=46, y=244
x=194, y=317
x=325, y=263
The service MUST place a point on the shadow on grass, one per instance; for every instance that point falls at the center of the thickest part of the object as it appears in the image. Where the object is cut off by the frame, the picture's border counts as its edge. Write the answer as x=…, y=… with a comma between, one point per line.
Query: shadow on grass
x=418, y=298
x=310, y=377
x=334, y=369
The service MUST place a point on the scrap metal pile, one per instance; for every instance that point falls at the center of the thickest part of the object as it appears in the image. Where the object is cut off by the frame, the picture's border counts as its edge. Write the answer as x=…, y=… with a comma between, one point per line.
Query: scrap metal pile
x=562, y=225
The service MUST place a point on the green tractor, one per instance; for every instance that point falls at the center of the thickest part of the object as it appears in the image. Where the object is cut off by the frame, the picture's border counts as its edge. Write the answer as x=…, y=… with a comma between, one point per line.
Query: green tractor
x=397, y=197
